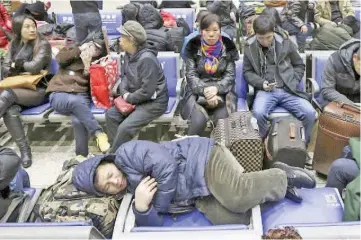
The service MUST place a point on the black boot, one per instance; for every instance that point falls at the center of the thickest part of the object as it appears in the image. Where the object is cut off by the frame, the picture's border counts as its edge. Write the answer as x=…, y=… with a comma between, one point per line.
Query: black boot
x=7, y=99
x=297, y=177
x=15, y=127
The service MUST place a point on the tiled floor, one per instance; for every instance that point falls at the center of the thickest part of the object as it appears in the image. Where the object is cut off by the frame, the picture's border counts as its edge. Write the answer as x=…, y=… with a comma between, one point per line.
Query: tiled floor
x=52, y=144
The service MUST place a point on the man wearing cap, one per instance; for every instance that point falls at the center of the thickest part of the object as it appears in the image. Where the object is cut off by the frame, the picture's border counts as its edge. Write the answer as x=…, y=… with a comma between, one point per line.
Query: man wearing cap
x=143, y=84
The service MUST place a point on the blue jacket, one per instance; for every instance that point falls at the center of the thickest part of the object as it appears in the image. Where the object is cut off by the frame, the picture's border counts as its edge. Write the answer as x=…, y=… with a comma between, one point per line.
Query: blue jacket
x=178, y=167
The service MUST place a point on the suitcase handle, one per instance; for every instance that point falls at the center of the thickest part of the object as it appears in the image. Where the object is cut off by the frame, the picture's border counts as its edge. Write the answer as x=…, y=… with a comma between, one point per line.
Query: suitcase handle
x=292, y=131
x=349, y=107
x=302, y=132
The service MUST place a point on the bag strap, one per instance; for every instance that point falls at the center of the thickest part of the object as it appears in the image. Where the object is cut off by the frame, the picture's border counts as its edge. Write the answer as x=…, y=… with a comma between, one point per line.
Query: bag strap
x=202, y=110
x=14, y=204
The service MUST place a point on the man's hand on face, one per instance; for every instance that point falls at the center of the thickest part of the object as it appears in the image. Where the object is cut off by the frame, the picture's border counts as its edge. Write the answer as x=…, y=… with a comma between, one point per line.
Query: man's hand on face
x=144, y=194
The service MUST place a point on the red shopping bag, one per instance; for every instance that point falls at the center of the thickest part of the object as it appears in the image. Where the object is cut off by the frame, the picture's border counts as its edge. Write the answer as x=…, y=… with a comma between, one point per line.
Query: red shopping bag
x=103, y=75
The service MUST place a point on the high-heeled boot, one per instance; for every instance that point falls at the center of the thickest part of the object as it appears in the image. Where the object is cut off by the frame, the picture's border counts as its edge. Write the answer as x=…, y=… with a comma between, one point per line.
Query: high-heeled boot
x=15, y=127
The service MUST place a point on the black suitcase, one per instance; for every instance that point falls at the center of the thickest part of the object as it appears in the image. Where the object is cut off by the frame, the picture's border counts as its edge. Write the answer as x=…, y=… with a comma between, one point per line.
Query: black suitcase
x=286, y=143
x=239, y=133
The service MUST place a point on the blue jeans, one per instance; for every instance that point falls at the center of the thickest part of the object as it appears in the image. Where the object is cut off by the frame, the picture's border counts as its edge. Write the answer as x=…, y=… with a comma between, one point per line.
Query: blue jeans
x=342, y=172
x=20, y=181
x=86, y=23
x=76, y=105
x=266, y=102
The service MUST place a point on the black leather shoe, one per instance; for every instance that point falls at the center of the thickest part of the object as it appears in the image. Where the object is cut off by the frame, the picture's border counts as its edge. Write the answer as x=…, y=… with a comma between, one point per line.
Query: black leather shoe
x=293, y=195
x=297, y=177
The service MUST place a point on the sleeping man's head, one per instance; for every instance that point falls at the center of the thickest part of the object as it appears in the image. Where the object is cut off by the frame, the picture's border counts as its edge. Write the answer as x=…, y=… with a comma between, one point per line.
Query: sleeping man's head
x=109, y=179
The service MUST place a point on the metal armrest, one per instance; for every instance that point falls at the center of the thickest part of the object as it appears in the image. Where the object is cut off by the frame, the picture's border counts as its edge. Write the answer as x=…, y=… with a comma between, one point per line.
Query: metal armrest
x=250, y=90
x=315, y=88
x=122, y=215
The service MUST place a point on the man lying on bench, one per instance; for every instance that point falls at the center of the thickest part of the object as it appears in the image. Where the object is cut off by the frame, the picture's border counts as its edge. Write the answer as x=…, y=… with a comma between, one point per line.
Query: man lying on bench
x=171, y=177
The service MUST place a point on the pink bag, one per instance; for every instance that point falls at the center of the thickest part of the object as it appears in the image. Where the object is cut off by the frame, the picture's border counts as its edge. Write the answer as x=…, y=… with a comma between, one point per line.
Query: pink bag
x=103, y=75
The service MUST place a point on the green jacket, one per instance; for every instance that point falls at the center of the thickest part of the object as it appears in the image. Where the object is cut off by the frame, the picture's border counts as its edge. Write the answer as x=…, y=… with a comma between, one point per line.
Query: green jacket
x=330, y=37
x=352, y=198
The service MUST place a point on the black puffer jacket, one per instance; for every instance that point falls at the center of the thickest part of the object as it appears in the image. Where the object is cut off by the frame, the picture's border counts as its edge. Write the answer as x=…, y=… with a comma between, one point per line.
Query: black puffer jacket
x=25, y=59
x=223, y=9
x=176, y=4
x=198, y=78
x=152, y=21
x=298, y=12
x=153, y=3
x=143, y=78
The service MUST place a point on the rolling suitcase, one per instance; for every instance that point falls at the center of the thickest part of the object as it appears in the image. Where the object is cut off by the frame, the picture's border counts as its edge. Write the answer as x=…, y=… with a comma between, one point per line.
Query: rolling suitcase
x=286, y=143
x=337, y=124
x=239, y=133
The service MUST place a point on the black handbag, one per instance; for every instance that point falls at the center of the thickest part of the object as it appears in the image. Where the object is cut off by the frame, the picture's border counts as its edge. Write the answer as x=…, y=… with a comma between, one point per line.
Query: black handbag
x=286, y=143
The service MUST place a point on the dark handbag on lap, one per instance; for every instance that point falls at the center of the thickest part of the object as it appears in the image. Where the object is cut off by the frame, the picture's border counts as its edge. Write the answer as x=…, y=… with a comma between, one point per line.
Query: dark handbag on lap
x=123, y=106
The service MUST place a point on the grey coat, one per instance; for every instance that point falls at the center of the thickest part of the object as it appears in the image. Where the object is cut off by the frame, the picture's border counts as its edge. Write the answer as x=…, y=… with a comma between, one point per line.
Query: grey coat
x=339, y=82
x=289, y=63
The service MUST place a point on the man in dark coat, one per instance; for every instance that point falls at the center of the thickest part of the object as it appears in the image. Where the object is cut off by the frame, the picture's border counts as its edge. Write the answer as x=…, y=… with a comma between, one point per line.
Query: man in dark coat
x=228, y=14
x=272, y=65
x=171, y=177
x=297, y=19
x=341, y=76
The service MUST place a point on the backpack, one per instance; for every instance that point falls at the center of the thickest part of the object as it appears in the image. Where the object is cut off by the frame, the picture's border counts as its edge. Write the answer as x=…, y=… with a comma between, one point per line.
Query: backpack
x=176, y=38
x=62, y=202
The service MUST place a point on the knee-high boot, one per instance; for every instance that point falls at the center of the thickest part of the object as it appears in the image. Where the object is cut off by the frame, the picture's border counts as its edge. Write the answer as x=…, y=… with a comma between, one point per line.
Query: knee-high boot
x=15, y=127
x=7, y=99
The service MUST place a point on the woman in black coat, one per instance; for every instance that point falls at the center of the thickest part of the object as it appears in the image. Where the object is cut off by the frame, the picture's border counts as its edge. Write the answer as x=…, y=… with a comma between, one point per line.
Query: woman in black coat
x=210, y=74
x=28, y=52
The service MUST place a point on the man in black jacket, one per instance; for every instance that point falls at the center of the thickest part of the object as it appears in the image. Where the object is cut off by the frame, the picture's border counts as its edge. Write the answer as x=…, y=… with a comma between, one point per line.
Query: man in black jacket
x=86, y=18
x=272, y=65
x=228, y=14
x=297, y=19
x=341, y=76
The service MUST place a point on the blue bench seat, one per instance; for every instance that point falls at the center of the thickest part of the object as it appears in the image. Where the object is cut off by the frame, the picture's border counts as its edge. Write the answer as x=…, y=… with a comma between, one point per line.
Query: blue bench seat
x=35, y=114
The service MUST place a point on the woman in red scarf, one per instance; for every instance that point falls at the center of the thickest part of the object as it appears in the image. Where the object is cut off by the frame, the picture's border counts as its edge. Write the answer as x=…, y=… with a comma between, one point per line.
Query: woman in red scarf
x=5, y=24
x=210, y=74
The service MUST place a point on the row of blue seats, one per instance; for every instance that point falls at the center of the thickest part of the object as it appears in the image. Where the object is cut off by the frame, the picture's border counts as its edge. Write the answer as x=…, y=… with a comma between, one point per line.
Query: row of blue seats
x=171, y=62
x=325, y=204
x=112, y=20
